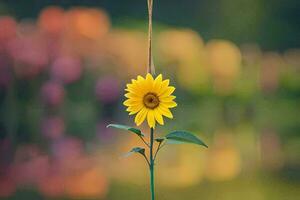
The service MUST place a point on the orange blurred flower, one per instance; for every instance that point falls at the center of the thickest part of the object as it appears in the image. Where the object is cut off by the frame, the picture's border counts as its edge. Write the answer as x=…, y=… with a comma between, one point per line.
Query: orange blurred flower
x=223, y=159
x=224, y=60
x=30, y=165
x=8, y=31
x=183, y=50
x=127, y=49
x=185, y=162
x=84, y=31
x=87, y=22
x=51, y=20
x=270, y=71
x=88, y=183
x=53, y=185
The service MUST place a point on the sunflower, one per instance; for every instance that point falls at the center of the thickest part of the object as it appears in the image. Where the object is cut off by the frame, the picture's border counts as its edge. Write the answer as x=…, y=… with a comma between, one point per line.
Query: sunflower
x=150, y=98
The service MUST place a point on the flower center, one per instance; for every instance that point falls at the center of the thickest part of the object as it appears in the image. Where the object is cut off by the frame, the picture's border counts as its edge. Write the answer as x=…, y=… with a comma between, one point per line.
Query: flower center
x=151, y=100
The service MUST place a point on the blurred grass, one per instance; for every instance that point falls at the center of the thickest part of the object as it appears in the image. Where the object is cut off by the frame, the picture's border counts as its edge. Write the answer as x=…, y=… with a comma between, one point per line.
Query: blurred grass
x=247, y=188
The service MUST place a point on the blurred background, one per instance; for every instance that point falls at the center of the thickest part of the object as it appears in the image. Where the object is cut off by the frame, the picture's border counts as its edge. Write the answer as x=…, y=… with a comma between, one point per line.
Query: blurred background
x=63, y=69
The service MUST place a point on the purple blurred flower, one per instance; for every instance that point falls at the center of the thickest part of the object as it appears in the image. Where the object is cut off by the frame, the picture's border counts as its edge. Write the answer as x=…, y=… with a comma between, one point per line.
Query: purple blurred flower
x=53, y=127
x=52, y=93
x=66, y=69
x=67, y=148
x=54, y=47
x=107, y=89
x=103, y=133
x=5, y=73
x=271, y=150
x=270, y=71
x=6, y=152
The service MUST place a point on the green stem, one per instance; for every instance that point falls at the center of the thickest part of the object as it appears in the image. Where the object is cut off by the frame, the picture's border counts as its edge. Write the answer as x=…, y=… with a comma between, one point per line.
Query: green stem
x=152, y=164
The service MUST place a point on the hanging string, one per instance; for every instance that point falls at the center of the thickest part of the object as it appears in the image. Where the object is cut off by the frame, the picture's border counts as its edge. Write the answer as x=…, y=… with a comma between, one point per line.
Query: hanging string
x=150, y=68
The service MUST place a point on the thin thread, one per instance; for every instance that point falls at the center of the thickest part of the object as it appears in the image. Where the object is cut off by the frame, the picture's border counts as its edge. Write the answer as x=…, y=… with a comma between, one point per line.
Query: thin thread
x=150, y=68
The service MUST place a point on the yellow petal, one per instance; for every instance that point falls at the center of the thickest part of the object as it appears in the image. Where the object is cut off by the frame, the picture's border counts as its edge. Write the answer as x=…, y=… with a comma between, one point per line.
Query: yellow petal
x=142, y=85
x=159, y=78
x=151, y=119
x=131, y=113
x=157, y=84
x=132, y=101
x=148, y=85
x=170, y=104
x=167, y=92
x=134, y=109
x=140, y=78
x=166, y=83
x=135, y=87
x=149, y=77
x=165, y=112
x=134, y=90
x=158, y=117
x=167, y=99
x=133, y=81
x=131, y=95
x=164, y=86
x=140, y=117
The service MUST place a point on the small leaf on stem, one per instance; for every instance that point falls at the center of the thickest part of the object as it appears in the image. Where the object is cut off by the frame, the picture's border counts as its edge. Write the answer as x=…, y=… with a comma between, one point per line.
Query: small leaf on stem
x=159, y=140
x=127, y=128
x=177, y=137
x=135, y=150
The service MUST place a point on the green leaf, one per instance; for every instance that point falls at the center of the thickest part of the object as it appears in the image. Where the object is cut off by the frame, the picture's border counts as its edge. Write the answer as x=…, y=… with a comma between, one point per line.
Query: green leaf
x=184, y=137
x=127, y=128
x=135, y=150
x=159, y=140
x=174, y=142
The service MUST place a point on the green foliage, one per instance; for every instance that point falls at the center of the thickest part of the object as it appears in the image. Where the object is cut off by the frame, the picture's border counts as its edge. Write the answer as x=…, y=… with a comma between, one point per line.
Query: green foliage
x=159, y=140
x=127, y=128
x=184, y=137
x=135, y=150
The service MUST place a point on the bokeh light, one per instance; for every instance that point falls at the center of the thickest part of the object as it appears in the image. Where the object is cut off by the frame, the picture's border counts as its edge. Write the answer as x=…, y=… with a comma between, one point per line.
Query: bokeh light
x=62, y=76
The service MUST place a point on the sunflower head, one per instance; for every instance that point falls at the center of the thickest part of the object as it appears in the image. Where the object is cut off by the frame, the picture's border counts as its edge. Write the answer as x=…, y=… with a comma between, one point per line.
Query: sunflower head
x=150, y=99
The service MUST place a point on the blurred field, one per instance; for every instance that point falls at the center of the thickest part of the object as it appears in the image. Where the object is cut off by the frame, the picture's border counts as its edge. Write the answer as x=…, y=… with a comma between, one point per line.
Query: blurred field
x=62, y=80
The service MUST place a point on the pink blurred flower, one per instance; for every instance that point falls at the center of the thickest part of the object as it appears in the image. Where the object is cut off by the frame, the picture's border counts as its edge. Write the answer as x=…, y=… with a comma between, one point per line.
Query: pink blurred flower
x=7, y=32
x=53, y=127
x=29, y=52
x=52, y=93
x=66, y=69
x=54, y=47
x=7, y=184
x=30, y=165
x=67, y=148
x=107, y=89
x=69, y=155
